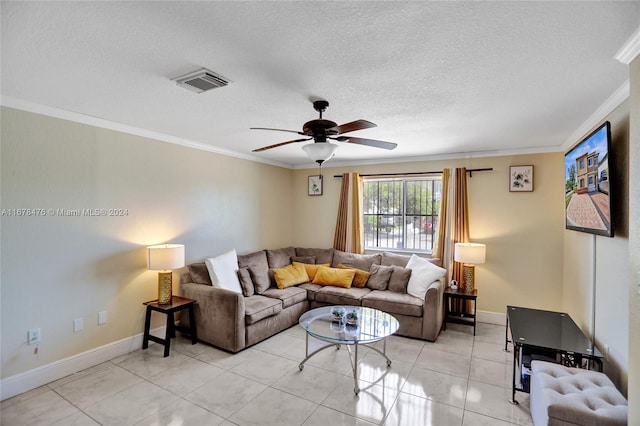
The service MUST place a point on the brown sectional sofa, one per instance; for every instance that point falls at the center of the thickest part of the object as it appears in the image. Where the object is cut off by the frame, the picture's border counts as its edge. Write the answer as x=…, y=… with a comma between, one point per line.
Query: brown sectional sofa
x=234, y=321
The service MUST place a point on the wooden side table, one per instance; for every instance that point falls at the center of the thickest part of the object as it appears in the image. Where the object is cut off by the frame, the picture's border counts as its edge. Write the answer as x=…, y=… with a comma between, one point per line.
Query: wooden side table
x=454, y=307
x=177, y=304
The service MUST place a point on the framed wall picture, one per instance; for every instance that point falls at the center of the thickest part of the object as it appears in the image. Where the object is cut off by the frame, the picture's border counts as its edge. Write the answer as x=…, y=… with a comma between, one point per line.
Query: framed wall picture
x=521, y=178
x=315, y=185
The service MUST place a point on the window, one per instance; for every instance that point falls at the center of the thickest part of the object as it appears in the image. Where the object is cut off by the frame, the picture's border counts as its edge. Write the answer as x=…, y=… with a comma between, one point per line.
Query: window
x=401, y=213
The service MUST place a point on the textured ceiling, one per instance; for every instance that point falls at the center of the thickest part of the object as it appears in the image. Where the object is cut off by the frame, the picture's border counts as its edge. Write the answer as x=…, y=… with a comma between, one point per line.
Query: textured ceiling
x=438, y=78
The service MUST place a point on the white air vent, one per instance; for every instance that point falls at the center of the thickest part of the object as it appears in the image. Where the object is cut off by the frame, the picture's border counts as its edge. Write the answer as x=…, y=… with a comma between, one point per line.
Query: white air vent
x=201, y=81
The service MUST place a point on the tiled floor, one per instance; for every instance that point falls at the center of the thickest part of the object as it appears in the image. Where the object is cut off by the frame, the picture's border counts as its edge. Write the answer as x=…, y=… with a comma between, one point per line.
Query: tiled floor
x=459, y=380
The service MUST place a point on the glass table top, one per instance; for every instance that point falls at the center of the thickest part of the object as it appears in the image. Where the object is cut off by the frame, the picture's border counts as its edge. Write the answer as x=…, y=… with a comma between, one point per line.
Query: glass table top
x=548, y=329
x=372, y=325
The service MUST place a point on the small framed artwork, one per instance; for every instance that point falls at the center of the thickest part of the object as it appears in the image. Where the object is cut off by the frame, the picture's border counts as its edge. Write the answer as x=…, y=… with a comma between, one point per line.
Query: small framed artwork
x=521, y=178
x=315, y=185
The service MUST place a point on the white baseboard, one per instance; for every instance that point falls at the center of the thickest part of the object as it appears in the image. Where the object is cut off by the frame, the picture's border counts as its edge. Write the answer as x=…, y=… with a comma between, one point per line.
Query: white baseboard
x=42, y=375
x=492, y=317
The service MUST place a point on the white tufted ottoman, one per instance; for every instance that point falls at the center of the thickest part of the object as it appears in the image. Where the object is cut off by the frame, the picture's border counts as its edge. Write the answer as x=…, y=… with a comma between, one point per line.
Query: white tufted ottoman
x=573, y=396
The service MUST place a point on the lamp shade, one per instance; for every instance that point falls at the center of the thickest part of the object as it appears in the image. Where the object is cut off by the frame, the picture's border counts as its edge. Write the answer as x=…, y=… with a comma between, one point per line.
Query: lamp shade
x=164, y=257
x=469, y=253
x=320, y=151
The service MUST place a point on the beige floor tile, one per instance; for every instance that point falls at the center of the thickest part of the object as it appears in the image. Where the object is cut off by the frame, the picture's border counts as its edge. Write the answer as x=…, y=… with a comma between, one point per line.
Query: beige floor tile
x=491, y=352
x=225, y=360
x=490, y=333
x=24, y=396
x=401, y=348
x=42, y=409
x=149, y=362
x=331, y=359
x=491, y=372
x=274, y=408
x=97, y=386
x=131, y=405
x=324, y=416
x=226, y=394
x=296, y=331
x=312, y=383
x=439, y=387
x=80, y=374
x=413, y=410
x=373, y=369
x=183, y=344
x=475, y=419
x=283, y=345
x=493, y=401
x=372, y=404
x=453, y=343
x=76, y=419
x=182, y=413
x=265, y=368
x=444, y=362
x=186, y=376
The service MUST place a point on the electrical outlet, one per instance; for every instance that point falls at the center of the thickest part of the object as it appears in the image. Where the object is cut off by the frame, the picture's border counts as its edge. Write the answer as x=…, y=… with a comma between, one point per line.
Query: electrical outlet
x=102, y=317
x=78, y=325
x=33, y=336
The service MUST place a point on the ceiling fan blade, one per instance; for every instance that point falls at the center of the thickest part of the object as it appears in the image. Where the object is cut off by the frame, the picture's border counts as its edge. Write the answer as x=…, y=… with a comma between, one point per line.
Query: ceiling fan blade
x=277, y=130
x=352, y=126
x=369, y=142
x=280, y=144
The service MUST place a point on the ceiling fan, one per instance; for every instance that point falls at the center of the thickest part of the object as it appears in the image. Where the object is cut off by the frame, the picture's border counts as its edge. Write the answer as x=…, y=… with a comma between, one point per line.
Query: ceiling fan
x=320, y=130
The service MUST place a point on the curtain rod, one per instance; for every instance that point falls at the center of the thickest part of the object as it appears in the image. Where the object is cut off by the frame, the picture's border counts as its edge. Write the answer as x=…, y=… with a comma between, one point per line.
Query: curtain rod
x=470, y=171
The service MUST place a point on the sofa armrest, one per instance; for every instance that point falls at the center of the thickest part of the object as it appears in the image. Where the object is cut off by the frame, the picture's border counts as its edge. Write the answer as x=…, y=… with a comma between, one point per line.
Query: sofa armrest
x=219, y=315
x=433, y=310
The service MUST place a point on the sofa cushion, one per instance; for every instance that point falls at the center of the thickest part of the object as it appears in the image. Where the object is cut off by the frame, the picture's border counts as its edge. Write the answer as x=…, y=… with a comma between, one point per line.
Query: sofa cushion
x=259, y=307
x=223, y=271
x=311, y=290
x=393, y=303
x=334, y=277
x=399, y=279
x=321, y=255
x=392, y=259
x=379, y=278
x=360, y=278
x=289, y=296
x=341, y=296
x=245, y=282
x=312, y=269
x=290, y=275
x=199, y=273
x=310, y=260
x=258, y=268
x=423, y=273
x=360, y=261
x=280, y=257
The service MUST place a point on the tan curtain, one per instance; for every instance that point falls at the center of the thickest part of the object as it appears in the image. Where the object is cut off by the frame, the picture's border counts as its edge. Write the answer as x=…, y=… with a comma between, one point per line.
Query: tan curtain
x=348, y=236
x=454, y=220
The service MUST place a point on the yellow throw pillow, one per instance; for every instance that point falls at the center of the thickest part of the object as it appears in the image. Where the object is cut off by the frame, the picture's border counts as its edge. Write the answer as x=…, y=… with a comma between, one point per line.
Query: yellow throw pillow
x=290, y=275
x=311, y=269
x=361, y=277
x=334, y=277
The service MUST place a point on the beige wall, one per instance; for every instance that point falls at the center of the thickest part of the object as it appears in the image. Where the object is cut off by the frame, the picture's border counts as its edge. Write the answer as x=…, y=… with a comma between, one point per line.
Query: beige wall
x=633, y=290
x=55, y=269
x=611, y=272
x=523, y=231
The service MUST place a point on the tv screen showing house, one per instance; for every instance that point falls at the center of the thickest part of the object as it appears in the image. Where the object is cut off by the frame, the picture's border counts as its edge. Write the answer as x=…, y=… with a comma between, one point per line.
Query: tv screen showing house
x=587, y=187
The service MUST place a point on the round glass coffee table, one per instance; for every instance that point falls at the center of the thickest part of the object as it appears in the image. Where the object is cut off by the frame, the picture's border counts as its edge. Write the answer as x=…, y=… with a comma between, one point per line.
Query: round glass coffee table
x=370, y=326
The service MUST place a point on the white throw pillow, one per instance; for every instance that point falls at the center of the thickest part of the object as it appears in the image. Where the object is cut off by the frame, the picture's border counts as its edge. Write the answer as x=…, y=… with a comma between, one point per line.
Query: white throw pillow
x=223, y=271
x=423, y=273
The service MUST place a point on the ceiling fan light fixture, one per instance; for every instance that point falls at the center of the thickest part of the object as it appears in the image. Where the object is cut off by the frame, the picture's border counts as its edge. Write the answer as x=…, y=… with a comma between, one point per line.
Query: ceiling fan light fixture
x=320, y=151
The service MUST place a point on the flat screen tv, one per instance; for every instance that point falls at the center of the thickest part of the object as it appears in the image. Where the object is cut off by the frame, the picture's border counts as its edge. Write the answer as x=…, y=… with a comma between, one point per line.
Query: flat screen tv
x=587, y=187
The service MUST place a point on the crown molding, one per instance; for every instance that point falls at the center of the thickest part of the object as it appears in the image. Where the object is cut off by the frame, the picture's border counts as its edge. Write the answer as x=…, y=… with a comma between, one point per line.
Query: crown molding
x=76, y=117
x=630, y=49
x=618, y=97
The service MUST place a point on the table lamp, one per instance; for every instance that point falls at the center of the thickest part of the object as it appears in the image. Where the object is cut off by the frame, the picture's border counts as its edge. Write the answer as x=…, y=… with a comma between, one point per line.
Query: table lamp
x=164, y=258
x=469, y=254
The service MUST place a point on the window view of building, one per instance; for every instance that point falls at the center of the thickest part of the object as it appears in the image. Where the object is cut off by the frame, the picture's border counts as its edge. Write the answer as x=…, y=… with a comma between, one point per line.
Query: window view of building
x=401, y=214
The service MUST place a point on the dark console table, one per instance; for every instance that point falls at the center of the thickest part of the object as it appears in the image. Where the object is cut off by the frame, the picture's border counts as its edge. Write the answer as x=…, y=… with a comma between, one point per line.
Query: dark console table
x=546, y=335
